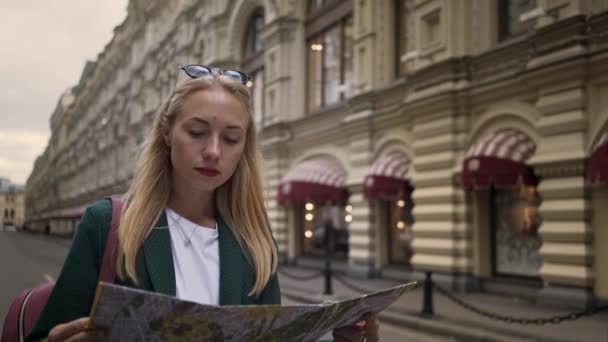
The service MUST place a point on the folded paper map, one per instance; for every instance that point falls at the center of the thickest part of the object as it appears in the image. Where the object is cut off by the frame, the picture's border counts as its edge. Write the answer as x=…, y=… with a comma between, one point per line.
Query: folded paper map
x=135, y=315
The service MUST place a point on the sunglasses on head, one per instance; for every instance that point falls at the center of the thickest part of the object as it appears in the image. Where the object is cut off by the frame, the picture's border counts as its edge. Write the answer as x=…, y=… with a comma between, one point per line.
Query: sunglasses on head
x=198, y=71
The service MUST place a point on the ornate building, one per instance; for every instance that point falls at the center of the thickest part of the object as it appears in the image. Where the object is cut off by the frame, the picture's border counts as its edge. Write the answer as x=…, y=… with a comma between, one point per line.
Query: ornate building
x=12, y=204
x=465, y=137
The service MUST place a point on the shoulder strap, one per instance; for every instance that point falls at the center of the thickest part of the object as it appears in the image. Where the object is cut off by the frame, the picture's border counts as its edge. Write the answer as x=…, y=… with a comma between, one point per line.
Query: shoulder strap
x=107, y=272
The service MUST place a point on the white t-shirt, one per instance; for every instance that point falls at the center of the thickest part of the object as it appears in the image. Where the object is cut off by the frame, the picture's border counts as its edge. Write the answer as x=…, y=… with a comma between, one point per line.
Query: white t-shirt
x=197, y=266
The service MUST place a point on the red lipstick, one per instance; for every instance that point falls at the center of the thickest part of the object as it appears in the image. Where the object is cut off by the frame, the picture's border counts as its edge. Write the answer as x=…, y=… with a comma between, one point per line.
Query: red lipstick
x=207, y=171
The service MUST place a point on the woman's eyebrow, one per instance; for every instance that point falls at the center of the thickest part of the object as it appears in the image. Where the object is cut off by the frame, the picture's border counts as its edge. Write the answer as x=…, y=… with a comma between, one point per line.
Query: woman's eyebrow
x=205, y=122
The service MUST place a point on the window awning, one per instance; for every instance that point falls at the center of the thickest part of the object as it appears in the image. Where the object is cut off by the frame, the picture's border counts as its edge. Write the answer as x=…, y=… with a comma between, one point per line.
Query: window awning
x=387, y=178
x=499, y=159
x=316, y=180
x=597, y=167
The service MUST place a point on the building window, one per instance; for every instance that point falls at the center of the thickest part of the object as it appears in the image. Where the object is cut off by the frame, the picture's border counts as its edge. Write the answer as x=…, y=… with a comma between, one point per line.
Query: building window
x=5, y=213
x=431, y=29
x=253, y=63
x=329, y=34
x=12, y=213
x=515, y=222
x=325, y=229
x=508, y=18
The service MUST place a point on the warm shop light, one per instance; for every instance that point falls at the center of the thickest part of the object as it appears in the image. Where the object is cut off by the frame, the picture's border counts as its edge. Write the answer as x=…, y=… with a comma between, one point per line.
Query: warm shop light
x=348, y=218
x=400, y=224
x=310, y=206
x=308, y=234
x=349, y=208
x=316, y=47
x=401, y=203
x=249, y=84
x=309, y=217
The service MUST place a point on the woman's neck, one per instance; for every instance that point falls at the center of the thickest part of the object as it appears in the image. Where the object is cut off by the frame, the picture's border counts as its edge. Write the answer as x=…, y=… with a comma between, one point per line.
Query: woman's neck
x=198, y=208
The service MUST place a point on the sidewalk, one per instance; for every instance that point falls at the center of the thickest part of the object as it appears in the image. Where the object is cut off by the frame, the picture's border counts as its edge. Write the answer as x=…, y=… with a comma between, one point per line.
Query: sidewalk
x=451, y=320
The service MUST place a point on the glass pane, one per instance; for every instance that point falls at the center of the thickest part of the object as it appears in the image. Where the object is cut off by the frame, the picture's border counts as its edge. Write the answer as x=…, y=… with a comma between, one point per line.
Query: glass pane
x=318, y=222
x=401, y=39
x=258, y=24
x=258, y=97
x=253, y=40
x=314, y=5
x=400, y=221
x=347, y=54
x=516, y=239
x=315, y=73
x=513, y=9
x=331, y=65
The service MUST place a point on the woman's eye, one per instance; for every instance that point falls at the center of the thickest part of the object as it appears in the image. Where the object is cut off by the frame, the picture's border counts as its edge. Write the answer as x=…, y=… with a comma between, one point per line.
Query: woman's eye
x=197, y=133
x=231, y=141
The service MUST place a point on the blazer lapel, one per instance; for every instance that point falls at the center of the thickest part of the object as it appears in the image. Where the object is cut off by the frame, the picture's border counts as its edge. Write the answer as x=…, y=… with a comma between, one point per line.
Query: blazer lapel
x=232, y=264
x=159, y=258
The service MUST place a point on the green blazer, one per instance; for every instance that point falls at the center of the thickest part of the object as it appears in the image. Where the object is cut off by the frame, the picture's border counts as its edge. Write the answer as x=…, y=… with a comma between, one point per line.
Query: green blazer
x=73, y=293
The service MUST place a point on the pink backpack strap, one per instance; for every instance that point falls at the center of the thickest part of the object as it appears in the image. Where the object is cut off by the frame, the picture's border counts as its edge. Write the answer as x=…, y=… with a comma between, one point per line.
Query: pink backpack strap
x=107, y=272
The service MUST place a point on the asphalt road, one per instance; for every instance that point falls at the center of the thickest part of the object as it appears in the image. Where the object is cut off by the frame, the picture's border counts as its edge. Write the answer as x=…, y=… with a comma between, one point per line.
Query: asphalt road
x=27, y=260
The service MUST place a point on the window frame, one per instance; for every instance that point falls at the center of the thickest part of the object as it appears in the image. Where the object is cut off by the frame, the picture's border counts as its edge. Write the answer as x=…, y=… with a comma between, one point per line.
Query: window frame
x=332, y=14
x=253, y=61
x=504, y=29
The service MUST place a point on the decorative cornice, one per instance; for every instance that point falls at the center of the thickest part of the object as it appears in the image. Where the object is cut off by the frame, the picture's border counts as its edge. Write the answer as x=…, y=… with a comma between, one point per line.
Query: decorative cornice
x=560, y=169
x=450, y=70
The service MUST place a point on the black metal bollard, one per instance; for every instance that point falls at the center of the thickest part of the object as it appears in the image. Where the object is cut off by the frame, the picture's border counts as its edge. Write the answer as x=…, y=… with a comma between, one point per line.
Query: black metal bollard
x=427, y=299
x=328, y=256
x=328, y=287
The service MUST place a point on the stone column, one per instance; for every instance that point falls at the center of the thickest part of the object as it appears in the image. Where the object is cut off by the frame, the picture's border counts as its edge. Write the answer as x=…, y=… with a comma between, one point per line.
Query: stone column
x=559, y=161
x=441, y=232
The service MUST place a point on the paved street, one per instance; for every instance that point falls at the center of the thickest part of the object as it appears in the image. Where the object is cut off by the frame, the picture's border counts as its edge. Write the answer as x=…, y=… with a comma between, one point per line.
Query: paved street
x=392, y=333
x=27, y=260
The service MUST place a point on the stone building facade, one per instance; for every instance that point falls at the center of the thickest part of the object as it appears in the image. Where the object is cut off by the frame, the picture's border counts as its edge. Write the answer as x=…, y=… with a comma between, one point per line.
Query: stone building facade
x=464, y=137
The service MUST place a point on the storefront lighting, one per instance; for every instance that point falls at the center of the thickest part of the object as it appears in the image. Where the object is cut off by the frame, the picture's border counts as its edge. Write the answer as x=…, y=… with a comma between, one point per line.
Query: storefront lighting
x=348, y=218
x=249, y=84
x=349, y=208
x=401, y=203
x=310, y=206
x=308, y=234
x=316, y=47
x=309, y=217
x=400, y=224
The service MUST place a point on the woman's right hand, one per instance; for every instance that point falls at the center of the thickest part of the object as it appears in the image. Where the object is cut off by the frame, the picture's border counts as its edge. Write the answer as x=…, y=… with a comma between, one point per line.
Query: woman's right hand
x=75, y=331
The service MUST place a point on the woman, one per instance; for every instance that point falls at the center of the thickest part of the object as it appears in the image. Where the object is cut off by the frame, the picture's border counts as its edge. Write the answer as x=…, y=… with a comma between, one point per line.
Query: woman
x=195, y=223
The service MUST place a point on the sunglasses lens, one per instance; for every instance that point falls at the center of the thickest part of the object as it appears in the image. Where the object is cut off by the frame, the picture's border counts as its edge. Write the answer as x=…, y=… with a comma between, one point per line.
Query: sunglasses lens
x=196, y=71
x=239, y=76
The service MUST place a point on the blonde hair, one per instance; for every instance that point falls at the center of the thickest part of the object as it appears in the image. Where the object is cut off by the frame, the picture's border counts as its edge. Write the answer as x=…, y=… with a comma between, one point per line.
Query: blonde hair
x=240, y=201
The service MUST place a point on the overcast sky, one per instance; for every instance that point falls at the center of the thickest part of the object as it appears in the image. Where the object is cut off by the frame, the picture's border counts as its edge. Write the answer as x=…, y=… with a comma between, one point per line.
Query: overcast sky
x=43, y=48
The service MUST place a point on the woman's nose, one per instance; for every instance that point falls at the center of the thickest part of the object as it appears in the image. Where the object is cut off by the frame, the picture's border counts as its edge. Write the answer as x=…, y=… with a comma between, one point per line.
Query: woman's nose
x=212, y=148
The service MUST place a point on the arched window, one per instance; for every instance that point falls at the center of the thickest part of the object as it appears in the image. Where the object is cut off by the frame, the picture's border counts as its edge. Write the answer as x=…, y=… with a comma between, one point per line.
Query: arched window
x=253, y=62
x=12, y=213
x=6, y=213
x=329, y=37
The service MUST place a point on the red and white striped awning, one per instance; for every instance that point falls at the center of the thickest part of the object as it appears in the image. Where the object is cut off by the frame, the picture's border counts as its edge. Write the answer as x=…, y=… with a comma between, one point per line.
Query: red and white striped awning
x=317, y=180
x=499, y=159
x=387, y=177
x=597, y=167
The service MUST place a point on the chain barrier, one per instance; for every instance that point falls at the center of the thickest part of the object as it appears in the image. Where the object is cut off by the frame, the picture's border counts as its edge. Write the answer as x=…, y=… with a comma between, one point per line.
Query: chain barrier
x=300, y=277
x=518, y=320
x=351, y=286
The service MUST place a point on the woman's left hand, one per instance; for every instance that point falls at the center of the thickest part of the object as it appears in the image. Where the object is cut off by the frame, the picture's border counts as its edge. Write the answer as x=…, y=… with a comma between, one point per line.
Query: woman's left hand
x=364, y=330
